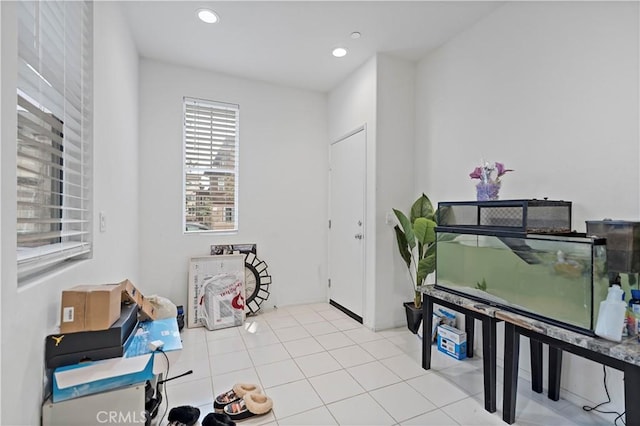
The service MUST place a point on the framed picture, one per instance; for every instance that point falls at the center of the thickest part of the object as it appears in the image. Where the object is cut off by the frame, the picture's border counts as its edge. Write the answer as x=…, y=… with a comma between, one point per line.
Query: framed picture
x=216, y=294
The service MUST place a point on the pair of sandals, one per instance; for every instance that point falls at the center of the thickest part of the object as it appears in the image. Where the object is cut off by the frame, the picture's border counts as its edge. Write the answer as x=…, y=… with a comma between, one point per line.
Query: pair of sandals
x=244, y=400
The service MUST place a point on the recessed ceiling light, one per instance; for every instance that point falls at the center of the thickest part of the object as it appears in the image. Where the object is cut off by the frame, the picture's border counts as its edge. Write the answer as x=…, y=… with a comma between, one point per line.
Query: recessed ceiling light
x=339, y=52
x=355, y=35
x=208, y=16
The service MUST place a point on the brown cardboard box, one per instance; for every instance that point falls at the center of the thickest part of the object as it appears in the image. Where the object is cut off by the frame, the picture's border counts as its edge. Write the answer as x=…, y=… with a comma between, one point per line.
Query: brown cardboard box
x=148, y=311
x=131, y=293
x=90, y=307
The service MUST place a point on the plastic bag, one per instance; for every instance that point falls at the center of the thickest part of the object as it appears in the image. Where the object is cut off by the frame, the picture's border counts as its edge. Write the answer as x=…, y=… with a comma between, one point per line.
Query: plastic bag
x=164, y=307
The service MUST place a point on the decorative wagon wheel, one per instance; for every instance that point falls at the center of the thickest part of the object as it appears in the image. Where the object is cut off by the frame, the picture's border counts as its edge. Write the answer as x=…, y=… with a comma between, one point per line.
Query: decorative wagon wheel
x=256, y=282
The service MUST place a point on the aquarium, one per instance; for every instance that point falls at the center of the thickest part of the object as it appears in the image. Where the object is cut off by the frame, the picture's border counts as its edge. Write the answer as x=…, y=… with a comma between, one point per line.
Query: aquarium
x=557, y=278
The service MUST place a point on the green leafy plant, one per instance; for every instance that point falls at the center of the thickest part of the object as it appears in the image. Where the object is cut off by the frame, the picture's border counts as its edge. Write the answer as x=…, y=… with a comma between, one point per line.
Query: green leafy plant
x=416, y=239
x=482, y=286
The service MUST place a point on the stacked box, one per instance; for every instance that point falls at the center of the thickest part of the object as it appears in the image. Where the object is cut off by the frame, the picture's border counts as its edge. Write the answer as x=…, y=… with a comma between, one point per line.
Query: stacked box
x=72, y=348
x=89, y=307
x=132, y=294
x=452, y=341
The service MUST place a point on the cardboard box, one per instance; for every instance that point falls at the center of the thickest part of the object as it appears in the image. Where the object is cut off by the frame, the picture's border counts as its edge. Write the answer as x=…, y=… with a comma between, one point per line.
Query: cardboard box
x=90, y=307
x=147, y=311
x=77, y=380
x=136, y=366
x=131, y=293
x=452, y=341
x=71, y=348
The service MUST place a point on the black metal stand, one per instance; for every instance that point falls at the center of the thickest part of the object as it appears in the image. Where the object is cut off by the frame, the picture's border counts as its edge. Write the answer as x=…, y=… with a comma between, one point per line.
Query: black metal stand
x=555, y=372
x=489, y=362
x=511, y=358
x=536, y=365
x=488, y=343
x=512, y=334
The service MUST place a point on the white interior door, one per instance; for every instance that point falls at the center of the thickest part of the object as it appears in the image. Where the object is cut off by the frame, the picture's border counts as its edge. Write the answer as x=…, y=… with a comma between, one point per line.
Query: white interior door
x=346, y=233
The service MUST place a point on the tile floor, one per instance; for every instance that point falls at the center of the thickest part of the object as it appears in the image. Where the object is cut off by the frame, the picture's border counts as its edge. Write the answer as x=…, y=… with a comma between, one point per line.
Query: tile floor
x=320, y=367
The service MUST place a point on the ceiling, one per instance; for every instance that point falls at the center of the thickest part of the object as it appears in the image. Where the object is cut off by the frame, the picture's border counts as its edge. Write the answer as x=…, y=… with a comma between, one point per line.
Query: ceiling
x=289, y=42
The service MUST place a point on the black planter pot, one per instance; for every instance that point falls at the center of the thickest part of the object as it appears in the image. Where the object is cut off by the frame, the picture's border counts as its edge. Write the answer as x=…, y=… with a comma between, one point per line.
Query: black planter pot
x=414, y=316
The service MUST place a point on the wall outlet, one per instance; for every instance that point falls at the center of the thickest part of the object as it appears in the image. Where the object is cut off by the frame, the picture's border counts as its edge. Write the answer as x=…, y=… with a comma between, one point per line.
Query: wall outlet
x=389, y=218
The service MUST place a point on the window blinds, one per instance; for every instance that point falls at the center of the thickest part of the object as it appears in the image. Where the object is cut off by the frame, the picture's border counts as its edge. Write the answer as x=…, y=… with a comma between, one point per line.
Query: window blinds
x=211, y=165
x=54, y=137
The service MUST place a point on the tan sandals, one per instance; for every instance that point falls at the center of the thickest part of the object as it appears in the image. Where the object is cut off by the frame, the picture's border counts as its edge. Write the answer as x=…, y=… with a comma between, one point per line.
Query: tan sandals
x=243, y=401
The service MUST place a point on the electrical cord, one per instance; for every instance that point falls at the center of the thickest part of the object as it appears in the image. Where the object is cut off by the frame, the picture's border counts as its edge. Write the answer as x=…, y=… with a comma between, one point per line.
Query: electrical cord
x=164, y=386
x=597, y=409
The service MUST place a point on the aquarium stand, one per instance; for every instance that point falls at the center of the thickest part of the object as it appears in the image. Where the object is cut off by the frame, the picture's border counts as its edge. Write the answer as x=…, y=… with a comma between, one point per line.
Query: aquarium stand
x=624, y=356
x=487, y=314
x=488, y=341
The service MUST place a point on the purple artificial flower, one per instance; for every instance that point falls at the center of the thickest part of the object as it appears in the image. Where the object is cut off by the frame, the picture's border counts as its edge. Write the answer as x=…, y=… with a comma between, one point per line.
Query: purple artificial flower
x=501, y=169
x=477, y=173
x=485, y=172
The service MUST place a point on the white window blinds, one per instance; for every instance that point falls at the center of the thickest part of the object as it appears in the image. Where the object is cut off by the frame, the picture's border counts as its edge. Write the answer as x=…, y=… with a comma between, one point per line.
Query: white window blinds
x=54, y=101
x=211, y=166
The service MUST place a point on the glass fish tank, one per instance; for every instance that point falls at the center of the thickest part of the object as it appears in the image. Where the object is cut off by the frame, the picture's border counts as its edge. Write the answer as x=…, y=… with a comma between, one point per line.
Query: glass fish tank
x=560, y=278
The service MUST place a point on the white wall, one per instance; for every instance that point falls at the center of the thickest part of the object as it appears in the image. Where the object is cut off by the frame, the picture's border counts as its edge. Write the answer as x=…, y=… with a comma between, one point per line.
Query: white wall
x=380, y=95
x=31, y=312
x=351, y=105
x=282, y=183
x=395, y=143
x=551, y=90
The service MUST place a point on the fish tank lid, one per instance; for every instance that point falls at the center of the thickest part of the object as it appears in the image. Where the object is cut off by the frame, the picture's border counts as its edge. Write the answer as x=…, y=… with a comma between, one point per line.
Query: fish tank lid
x=579, y=237
x=513, y=202
x=520, y=216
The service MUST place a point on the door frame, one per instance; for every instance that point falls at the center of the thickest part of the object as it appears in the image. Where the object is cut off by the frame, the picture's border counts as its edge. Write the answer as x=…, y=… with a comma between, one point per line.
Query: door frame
x=362, y=128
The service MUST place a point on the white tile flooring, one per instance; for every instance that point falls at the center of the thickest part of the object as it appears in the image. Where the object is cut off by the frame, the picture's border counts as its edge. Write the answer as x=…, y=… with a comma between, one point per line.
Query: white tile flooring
x=320, y=367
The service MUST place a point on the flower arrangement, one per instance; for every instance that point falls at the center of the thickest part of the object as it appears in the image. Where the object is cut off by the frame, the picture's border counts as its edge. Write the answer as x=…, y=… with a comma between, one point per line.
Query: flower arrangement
x=485, y=172
x=489, y=185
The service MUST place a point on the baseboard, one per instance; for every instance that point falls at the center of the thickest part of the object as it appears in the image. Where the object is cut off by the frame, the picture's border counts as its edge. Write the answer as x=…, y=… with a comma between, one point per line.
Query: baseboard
x=346, y=311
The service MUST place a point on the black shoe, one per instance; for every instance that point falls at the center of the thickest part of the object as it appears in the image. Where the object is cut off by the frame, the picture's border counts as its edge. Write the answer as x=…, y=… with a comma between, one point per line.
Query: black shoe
x=184, y=415
x=217, y=419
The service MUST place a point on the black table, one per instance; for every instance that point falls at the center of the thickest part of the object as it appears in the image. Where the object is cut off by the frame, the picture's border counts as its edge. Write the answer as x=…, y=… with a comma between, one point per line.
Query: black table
x=624, y=356
x=488, y=315
x=472, y=310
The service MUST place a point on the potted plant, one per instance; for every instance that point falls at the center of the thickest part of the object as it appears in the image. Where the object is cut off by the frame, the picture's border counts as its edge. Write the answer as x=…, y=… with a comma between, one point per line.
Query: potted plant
x=416, y=239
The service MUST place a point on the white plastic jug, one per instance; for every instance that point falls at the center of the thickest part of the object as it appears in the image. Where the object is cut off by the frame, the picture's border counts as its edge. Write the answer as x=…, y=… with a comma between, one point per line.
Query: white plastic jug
x=611, y=315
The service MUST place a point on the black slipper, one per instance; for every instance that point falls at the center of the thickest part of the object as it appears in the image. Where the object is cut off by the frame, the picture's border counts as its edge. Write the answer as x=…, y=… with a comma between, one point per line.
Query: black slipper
x=217, y=419
x=184, y=415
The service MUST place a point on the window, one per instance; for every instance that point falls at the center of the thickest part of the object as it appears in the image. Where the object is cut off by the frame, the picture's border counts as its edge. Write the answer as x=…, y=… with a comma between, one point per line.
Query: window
x=211, y=166
x=54, y=135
